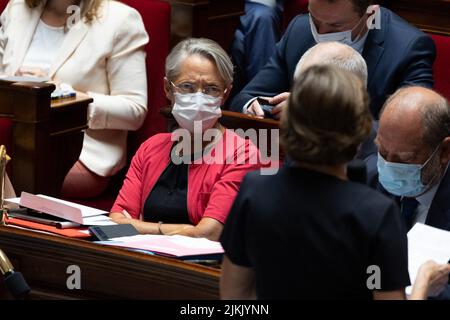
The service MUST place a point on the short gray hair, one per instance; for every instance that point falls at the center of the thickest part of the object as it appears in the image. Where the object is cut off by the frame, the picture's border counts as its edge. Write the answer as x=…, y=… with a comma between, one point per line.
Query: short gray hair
x=206, y=48
x=327, y=116
x=436, y=118
x=336, y=54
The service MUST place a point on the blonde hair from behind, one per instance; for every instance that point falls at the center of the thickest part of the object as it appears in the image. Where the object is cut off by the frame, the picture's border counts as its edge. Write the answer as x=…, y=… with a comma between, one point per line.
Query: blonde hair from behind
x=327, y=117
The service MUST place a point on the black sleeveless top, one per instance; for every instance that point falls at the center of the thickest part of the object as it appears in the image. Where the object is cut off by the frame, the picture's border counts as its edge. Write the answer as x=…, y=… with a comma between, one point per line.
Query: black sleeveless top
x=167, y=202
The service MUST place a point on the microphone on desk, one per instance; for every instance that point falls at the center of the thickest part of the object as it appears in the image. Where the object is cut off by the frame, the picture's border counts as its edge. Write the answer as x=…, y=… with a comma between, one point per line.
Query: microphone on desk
x=357, y=171
x=14, y=281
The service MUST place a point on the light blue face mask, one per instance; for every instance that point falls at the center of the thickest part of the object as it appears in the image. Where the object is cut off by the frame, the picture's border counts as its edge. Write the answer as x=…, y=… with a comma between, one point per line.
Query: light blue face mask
x=402, y=179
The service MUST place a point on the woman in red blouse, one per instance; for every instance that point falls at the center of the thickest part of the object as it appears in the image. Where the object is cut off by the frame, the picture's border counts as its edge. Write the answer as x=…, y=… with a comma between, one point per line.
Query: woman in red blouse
x=172, y=187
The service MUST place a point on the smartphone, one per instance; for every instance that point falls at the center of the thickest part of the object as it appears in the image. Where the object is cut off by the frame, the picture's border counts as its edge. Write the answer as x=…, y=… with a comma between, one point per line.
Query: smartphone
x=104, y=233
x=266, y=107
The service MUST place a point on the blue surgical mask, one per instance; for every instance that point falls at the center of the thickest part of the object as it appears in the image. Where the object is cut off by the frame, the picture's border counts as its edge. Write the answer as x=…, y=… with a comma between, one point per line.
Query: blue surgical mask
x=344, y=37
x=402, y=179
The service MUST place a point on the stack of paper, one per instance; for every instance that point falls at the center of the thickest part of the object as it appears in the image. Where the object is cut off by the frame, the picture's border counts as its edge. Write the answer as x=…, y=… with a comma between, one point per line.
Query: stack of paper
x=24, y=79
x=174, y=246
x=426, y=243
x=63, y=209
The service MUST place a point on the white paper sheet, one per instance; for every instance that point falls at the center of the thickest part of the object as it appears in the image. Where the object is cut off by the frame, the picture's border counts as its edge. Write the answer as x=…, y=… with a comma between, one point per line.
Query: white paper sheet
x=63, y=209
x=426, y=243
x=178, y=246
x=85, y=211
x=98, y=221
x=24, y=79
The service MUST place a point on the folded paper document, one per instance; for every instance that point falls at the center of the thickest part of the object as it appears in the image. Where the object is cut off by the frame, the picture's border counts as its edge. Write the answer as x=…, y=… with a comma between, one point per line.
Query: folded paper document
x=24, y=79
x=426, y=243
x=172, y=246
x=71, y=233
x=63, y=209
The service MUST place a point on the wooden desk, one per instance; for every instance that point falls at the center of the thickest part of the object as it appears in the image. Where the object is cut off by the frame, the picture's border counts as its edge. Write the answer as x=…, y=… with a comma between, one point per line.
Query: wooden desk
x=230, y=120
x=106, y=272
x=47, y=136
x=214, y=19
x=239, y=121
x=236, y=120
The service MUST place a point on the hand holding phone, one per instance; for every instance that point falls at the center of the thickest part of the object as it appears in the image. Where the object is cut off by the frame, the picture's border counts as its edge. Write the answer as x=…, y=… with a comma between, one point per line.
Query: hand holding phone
x=266, y=107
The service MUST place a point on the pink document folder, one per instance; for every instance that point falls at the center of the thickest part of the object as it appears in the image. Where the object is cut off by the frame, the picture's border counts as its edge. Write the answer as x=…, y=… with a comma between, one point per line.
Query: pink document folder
x=174, y=246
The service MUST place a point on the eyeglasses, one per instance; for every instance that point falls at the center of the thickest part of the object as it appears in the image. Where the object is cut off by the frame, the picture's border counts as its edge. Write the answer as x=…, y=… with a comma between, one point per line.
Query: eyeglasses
x=188, y=87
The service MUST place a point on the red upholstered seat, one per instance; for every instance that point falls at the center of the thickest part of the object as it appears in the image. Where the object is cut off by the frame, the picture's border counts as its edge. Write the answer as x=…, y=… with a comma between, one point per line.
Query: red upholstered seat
x=6, y=132
x=156, y=16
x=293, y=8
x=442, y=65
x=3, y=4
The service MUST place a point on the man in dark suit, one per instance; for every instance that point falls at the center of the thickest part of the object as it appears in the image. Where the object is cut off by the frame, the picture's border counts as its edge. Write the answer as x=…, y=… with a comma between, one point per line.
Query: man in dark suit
x=396, y=53
x=414, y=155
x=255, y=39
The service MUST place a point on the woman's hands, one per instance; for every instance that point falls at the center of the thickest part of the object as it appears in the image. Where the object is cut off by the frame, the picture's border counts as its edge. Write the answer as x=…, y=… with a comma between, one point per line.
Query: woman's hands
x=207, y=227
x=31, y=72
x=141, y=227
x=148, y=227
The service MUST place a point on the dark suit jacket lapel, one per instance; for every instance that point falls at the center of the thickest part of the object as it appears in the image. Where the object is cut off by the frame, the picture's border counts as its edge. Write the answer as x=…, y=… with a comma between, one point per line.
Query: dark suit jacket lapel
x=373, y=48
x=439, y=213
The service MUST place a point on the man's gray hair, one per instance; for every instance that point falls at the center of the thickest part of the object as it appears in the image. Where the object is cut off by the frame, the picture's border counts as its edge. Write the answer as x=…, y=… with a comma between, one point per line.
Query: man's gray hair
x=435, y=111
x=436, y=117
x=336, y=54
x=199, y=46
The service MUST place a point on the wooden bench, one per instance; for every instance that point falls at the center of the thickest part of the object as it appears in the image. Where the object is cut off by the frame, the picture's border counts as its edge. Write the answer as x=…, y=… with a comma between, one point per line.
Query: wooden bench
x=47, y=136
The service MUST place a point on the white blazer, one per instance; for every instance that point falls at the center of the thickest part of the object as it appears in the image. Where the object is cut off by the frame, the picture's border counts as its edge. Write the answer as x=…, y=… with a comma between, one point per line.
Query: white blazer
x=105, y=59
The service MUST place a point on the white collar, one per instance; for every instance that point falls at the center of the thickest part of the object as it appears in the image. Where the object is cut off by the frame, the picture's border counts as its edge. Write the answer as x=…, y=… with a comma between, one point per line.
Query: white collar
x=359, y=45
x=269, y=3
x=427, y=198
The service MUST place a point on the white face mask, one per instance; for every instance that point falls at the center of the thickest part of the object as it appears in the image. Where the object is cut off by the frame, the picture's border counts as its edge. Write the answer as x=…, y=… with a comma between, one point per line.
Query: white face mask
x=196, y=107
x=344, y=37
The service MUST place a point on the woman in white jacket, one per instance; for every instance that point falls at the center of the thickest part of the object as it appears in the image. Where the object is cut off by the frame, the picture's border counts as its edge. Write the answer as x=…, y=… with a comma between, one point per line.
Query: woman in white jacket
x=97, y=47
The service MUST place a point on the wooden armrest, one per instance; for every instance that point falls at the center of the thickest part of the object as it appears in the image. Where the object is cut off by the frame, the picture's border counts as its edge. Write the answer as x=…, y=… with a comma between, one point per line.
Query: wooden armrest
x=235, y=120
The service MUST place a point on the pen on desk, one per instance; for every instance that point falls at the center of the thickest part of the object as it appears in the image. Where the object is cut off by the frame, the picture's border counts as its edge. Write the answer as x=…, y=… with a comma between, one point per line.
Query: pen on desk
x=66, y=225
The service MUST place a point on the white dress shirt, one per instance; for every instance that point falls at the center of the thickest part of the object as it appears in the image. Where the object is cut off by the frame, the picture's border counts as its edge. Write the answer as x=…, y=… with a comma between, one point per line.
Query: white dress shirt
x=44, y=47
x=425, y=200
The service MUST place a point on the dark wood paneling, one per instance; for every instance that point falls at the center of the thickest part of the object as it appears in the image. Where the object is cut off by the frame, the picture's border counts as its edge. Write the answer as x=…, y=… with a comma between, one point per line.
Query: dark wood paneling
x=106, y=272
x=214, y=19
x=231, y=120
x=47, y=136
x=429, y=15
x=241, y=123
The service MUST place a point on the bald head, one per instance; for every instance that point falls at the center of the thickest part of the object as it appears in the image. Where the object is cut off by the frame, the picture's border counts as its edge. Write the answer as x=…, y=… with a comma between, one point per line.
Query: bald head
x=413, y=122
x=420, y=110
x=336, y=54
x=413, y=99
